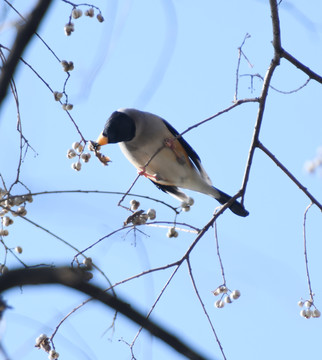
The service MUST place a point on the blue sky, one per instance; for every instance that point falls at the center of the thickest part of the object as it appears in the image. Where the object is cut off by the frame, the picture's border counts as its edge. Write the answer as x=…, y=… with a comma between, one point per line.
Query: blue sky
x=176, y=59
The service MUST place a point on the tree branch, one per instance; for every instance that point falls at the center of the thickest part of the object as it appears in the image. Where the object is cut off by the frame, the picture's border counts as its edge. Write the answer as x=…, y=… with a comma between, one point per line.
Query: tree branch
x=266, y=84
x=290, y=175
x=301, y=66
x=23, y=37
x=75, y=279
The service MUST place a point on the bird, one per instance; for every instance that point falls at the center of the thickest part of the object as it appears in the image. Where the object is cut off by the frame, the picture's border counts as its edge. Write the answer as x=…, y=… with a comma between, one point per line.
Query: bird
x=162, y=155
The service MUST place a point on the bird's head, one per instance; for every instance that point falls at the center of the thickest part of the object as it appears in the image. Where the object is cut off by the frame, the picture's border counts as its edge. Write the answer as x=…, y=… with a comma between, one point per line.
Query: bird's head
x=118, y=128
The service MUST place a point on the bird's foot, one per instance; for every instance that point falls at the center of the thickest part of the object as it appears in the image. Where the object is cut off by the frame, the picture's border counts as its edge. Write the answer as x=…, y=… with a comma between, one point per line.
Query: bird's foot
x=143, y=172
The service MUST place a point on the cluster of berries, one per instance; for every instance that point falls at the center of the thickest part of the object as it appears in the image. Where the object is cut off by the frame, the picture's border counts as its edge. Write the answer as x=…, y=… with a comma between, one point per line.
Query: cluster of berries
x=88, y=267
x=93, y=146
x=12, y=205
x=42, y=342
x=77, y=150
x=308, y=312
x=77, y=13
x=172, y=232
x=185, y=205
x=227, y=296
x=67, y=66
x=139, y=217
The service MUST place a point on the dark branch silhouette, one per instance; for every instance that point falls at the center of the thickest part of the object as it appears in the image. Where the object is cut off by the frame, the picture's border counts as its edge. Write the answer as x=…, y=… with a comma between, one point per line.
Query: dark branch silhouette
x=25, y=33
x=76, y=279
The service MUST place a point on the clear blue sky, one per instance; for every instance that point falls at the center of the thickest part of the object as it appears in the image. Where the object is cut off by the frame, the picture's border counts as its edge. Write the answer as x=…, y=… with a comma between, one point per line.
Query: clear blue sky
x=176, y=59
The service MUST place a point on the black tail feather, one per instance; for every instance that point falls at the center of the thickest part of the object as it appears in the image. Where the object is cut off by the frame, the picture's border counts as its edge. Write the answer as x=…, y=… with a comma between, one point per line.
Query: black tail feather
x=236, y=207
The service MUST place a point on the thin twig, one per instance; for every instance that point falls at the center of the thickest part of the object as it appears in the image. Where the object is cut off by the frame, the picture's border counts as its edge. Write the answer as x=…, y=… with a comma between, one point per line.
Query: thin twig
x=218, y=254
x=204, y=309
x=289, y=174
x=154, y=304
x=258, y=123
x=313, y=75
x=277, y=90
x=305, y=254
x=75, y=279
x=240, y=53
x=237, y=103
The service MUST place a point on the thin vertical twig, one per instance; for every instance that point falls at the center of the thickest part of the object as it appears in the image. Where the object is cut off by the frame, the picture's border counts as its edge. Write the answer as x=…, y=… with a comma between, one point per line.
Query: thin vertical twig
x=240, y=53
x=204, y=309
x=218, y=254
x=305, y=254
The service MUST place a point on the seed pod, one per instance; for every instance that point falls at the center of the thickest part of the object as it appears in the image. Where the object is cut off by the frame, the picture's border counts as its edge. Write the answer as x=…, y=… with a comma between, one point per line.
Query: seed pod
x=57, y=95
x=308, y=303
x=316, y=313
x=76, y=166
x=219, y=304
x=134, y=205
x=77, y=13
x=89, y=12
x=151, y=214
x=6, y=221
x=100, y=18
x=18, y=249
x=22, y=211
x=75, y=145
x=71, y=153
x=235, y=294
x=88, y=262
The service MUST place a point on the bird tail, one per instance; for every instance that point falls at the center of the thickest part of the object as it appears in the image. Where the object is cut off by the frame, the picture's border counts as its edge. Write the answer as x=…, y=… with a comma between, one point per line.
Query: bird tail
x=236, y=207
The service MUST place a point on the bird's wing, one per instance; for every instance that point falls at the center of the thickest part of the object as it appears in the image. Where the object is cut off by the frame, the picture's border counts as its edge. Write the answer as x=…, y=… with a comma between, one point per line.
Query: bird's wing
x=190, y=152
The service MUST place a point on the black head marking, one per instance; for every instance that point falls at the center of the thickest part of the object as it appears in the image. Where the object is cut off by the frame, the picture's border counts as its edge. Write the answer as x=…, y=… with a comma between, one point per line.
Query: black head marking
x=119, y=127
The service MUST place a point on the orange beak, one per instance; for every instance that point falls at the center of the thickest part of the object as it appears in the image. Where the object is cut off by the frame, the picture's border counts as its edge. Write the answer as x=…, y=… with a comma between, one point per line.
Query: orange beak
x=102, y=140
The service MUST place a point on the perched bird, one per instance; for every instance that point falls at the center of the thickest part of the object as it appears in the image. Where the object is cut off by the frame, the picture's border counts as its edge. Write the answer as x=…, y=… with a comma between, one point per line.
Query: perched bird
x=153, y=146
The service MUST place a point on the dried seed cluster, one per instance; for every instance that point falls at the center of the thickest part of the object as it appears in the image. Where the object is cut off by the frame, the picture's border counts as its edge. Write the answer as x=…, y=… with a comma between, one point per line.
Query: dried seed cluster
x=185, y=205
x=57, y=95
x=95, y=147
x=42, y=342
x=15, y=206
x=69, y=28
x=77, y=150
x=227, y=296
x=308, y=312
x=139, y=217
x=88, y=267
x=172, y=232
x=67, y=65
x=3, y=269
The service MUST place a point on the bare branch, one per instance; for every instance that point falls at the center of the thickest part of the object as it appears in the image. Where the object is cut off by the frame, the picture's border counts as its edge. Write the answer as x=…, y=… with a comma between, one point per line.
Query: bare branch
x=305, y=255
x=301, y=66
x=237, y=103
x=240, y=53
x=276, y=30
x=23, y=37
x=290, y=175
x=75, y=279
x=259, y=120
x=274, y=88
x=204, y=309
